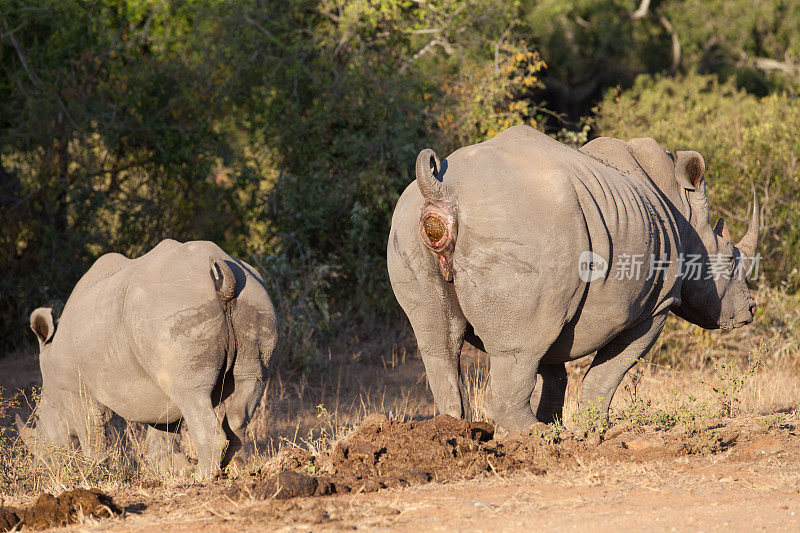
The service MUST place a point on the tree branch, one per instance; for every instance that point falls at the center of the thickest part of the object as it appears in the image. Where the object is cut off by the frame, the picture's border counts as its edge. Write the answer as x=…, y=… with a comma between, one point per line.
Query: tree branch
x=20, y=55
x=31, y=74
x=676, y=43
x=424, y=50
x=769, y=65
x=642, y=11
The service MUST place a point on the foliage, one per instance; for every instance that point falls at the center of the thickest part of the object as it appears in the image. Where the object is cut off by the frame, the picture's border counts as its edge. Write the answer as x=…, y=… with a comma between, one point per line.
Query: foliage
x=107, y=126
x=591, y=45
x=592, y=420
x=728, y=381
x=734, y=39
x=284, y=131
x=679, y=409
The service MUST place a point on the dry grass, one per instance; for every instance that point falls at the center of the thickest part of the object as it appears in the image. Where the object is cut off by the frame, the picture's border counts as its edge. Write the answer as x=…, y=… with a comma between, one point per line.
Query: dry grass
x=679, y=378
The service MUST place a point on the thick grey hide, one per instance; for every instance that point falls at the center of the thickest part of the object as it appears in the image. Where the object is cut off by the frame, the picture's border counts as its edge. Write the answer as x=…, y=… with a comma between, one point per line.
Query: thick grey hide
x=158, y=339
x=527, y=207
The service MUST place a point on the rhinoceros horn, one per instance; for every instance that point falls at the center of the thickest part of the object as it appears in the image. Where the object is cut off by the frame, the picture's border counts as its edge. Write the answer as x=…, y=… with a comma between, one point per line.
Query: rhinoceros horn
x=25, y=433
x=747, y=246
x=433, y=190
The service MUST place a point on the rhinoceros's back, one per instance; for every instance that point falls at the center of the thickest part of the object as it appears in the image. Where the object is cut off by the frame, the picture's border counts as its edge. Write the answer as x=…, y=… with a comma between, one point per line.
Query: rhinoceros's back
x=153, y=323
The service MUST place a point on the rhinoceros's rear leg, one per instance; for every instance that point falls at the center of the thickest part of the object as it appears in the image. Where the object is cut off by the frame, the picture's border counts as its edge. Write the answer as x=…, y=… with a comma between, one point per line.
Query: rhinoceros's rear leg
x=205, y=429
x=439, y=339
x=614, y=360
x=239, y=409
x=163, y=448
x=547, y=401
x=438, y=323
x=514, y=363
x=508, y=397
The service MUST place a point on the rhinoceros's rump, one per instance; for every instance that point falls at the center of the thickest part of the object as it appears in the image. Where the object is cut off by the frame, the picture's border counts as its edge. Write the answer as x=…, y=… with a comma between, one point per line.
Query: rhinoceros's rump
x=558, y=253
x=158, y=339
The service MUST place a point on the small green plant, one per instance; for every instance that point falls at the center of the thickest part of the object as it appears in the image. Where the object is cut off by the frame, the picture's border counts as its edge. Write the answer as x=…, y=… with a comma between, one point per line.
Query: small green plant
x=703, y=441
x=773, y=421
x=551, y=434
x=592, y=420
x=729, y=379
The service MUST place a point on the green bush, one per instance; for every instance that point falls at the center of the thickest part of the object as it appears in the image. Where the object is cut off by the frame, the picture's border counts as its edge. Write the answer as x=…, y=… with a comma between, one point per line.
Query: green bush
x=746, y=141
x=284, y=131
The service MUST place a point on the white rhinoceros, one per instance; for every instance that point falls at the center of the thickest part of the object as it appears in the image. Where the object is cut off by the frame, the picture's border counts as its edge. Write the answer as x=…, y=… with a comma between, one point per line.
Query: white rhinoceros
x=526, y=247
x=159, y=339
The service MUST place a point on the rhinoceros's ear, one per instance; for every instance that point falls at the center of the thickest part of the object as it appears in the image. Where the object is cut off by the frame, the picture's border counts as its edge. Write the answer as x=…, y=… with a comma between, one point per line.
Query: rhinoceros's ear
x=42, y=324
x=689, y=168
x=721, y=229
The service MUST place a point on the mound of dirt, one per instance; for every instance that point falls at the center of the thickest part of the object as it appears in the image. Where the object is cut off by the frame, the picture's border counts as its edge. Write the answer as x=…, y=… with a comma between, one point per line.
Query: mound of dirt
x=51, y=511
x=384, y=454
x=381, y=454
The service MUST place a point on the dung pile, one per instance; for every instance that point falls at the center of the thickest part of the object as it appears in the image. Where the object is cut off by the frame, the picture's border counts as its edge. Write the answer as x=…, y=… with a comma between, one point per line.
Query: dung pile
x=384, y=454
x=55, y=511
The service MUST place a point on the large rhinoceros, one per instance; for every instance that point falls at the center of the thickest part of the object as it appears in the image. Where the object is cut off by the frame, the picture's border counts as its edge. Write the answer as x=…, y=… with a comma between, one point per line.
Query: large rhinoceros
x=158, y=339
x=540, y=254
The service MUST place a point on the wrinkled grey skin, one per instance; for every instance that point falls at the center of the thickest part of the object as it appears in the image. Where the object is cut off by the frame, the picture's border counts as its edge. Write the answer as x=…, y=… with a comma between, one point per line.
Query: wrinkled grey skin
x=527, y=207
x=159, y=339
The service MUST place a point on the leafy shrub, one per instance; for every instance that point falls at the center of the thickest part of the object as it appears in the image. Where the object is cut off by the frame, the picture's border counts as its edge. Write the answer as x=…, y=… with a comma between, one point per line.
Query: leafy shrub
x=284, y=131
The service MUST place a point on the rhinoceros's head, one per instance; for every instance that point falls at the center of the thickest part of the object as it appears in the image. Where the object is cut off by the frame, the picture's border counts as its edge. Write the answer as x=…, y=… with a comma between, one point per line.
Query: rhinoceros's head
x=49, y=427
x=714, y=290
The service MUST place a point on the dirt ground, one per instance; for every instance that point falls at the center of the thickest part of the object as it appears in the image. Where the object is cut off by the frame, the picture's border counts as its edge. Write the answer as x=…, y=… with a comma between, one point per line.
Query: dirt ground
x=365, y=452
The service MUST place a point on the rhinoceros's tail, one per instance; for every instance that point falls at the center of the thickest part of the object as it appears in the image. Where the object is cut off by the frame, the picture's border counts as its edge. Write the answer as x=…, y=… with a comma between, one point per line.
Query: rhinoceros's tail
x=438, y=224
x=223, y=278
x=432, y=188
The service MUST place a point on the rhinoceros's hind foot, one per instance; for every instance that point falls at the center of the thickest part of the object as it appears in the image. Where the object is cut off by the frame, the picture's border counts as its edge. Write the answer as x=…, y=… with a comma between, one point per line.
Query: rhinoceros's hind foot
x=164, y=452
x=206, y=431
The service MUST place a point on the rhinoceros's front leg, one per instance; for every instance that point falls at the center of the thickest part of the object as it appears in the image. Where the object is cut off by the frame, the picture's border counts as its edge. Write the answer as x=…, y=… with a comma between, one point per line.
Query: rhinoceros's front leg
x=88, y=420
x=547, y=401
x=614, y=360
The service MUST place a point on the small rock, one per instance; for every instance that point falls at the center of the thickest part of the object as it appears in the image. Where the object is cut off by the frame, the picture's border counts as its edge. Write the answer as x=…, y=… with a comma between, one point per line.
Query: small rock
x=284, y=486
x=8, y=519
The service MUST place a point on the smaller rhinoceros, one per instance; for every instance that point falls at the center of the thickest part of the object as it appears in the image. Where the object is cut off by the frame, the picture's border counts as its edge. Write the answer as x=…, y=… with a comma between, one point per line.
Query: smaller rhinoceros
x=159, y=339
